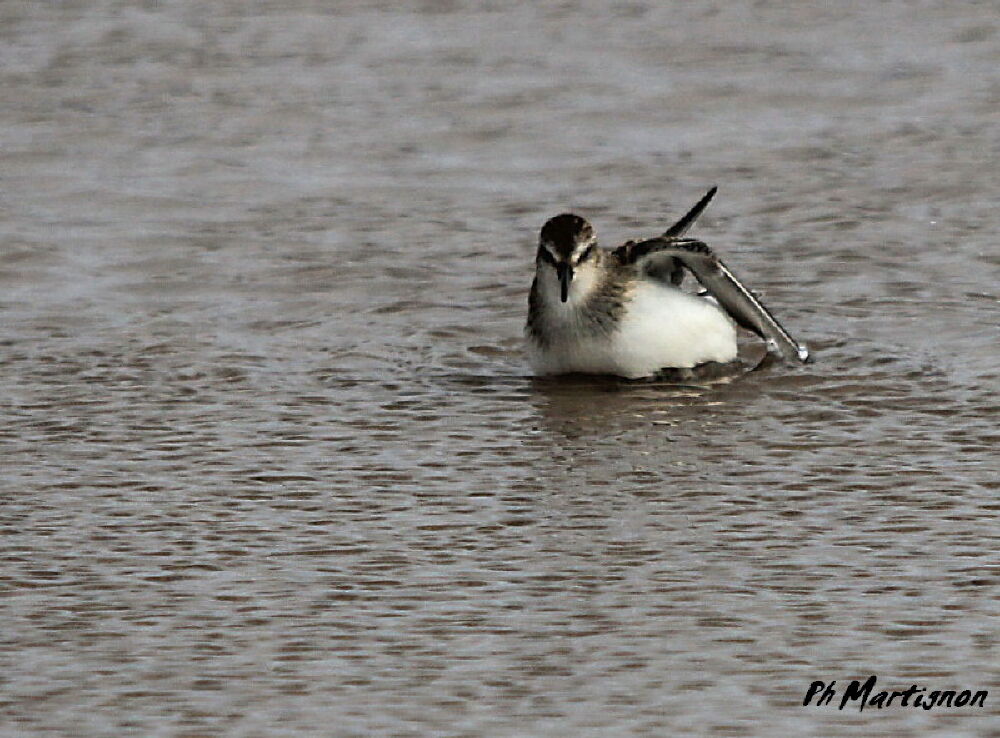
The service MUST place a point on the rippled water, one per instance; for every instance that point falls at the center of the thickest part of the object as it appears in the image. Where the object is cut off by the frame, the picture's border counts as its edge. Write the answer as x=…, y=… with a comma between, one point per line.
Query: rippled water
x=271, y=457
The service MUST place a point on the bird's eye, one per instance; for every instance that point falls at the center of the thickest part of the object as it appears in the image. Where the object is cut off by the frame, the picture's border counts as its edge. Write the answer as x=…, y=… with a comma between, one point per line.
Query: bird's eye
x=546, y=255
x=586, y=254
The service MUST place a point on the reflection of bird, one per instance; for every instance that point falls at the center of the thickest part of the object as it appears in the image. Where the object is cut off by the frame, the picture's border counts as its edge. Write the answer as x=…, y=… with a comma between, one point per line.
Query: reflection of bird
x=621, y=312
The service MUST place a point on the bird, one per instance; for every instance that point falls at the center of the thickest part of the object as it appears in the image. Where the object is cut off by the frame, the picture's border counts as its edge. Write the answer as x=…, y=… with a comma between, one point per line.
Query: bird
x=622, y=311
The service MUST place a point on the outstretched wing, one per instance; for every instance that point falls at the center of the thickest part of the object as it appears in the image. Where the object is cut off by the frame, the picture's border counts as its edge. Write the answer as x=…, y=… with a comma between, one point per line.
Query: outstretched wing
x=672, y=270
x=741, y=304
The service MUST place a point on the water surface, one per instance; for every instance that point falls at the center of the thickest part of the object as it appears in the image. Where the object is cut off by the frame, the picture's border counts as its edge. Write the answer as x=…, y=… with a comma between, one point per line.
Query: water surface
x=273, y=463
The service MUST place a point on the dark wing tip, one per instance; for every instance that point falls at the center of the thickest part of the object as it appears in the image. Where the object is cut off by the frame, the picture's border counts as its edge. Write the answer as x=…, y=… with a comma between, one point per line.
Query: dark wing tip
x=680, y=227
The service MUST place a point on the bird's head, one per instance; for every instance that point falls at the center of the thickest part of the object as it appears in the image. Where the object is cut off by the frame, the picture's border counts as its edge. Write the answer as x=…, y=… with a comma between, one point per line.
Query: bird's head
x=566, y=242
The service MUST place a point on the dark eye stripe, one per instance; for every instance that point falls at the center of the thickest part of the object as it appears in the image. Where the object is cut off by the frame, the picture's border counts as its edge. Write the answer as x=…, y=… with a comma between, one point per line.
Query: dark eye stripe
x=546, y=256
x=585, y=254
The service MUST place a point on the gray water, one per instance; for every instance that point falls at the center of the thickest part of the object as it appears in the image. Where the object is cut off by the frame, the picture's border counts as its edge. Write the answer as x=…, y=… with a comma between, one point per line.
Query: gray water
x=272, y=460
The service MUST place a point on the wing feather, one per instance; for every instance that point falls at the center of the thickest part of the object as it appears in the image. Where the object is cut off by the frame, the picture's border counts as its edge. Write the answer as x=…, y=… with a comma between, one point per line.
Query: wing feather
x=671, y=270
x=681, y=227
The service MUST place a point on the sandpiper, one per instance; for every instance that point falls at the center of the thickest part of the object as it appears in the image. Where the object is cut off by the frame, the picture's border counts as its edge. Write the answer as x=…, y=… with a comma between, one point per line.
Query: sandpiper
x=622, y=312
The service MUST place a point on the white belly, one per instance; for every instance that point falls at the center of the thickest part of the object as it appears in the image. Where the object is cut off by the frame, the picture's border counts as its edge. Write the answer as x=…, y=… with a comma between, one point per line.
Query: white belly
x=662, y=328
